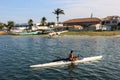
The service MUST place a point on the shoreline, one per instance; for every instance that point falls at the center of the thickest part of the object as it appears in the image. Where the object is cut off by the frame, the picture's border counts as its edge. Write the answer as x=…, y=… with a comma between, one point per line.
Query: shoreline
x=89, y=36
x=74, y=33
x=93, y=33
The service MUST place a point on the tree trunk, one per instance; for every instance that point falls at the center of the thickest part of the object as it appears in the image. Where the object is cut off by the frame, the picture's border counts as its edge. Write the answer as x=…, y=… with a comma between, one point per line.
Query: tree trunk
x=57, y=20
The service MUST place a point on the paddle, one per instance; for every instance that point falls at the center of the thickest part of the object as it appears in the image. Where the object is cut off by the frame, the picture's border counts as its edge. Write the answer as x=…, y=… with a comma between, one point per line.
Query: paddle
x=59, y=59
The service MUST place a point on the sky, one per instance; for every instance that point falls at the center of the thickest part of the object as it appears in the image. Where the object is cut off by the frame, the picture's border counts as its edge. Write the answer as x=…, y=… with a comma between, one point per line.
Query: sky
x=20, y=11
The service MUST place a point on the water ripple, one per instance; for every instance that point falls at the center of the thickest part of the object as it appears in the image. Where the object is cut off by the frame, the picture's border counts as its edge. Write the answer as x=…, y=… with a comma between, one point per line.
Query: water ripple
x=17, y=53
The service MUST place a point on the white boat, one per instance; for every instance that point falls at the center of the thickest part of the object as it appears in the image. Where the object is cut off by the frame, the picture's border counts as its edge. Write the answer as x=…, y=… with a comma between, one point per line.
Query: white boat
x=57, y=63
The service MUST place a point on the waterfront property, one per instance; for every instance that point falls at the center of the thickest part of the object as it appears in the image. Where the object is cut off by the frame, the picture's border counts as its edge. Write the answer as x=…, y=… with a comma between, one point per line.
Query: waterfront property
x=111, y=23
x=23, y=30
x=85, y=23
x=35, y=29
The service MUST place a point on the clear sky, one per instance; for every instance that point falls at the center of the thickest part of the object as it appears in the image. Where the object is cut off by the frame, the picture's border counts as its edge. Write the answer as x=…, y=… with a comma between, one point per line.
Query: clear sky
x=20, y=11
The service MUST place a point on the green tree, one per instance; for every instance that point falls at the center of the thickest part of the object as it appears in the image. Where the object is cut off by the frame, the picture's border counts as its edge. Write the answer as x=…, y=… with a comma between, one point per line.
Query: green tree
x=58, y=11
x=43, y=21
x=10, y=25
x=2, y=25
x=30, y=23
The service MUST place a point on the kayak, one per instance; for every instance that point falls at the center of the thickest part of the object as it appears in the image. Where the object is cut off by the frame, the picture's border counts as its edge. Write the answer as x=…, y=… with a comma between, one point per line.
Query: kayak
x=63, y=62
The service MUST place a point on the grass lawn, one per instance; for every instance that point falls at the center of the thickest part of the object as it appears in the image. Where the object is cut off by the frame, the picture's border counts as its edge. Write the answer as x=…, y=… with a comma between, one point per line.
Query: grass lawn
x=92, y=33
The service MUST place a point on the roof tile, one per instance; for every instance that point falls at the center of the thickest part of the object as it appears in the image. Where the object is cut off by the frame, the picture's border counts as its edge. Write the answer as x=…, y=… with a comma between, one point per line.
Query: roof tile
x=83, y=20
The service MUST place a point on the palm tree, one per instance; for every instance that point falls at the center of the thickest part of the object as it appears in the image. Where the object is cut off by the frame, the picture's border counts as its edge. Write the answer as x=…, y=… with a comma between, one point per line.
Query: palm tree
x=43, y=21
x=10, y=25
x=30, y=23
x=58, y=11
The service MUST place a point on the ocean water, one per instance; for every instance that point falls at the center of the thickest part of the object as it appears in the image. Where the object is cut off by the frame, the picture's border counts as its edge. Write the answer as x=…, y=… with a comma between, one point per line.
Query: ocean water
x=17, y=53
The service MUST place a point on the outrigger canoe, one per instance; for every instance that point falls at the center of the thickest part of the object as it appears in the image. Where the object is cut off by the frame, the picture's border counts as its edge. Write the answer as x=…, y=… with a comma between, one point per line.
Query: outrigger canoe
x=63, y=62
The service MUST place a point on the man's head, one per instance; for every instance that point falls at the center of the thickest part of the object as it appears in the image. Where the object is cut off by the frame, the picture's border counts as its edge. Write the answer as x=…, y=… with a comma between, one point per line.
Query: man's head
x=71, y=51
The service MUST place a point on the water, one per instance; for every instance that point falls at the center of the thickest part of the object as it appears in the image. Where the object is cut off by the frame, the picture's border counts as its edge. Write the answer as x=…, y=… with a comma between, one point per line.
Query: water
x=17, y=53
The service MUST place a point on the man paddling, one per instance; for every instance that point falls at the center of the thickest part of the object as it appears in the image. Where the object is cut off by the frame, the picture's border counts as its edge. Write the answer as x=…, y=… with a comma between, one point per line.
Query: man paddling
x=72, y=57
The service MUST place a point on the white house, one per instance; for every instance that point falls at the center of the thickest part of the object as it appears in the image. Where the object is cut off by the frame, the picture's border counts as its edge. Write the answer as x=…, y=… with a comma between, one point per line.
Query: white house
x=95, y=27
x=111, y=22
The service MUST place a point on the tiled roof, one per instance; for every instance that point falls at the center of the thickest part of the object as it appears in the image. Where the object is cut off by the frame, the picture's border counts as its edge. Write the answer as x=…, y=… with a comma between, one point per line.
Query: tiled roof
x=81, y=20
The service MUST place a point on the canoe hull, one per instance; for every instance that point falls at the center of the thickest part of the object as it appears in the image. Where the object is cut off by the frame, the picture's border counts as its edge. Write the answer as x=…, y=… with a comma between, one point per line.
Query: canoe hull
x=57, y=63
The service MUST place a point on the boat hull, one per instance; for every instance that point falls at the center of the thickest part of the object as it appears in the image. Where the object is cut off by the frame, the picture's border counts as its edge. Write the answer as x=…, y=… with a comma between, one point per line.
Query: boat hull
x=28, y=33
x=57, y=63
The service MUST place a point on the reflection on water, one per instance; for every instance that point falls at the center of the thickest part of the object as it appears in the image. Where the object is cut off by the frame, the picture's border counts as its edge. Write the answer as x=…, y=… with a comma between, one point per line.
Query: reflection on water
x=72, y=66
x=71, y=69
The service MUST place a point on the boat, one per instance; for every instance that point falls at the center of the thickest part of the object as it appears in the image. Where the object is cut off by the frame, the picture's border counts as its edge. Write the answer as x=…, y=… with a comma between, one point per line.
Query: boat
x=63, y=62
x=56, y=34
x=27, y=33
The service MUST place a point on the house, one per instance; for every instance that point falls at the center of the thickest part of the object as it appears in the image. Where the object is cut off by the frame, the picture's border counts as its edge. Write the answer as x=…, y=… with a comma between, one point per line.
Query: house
x=43, y=29
x=75, y=28
x=84, y=22
x=111, y=23
x=19, y=28
x=23, y=27
x=60, y=28
x=95, y=27
x=106, y=27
